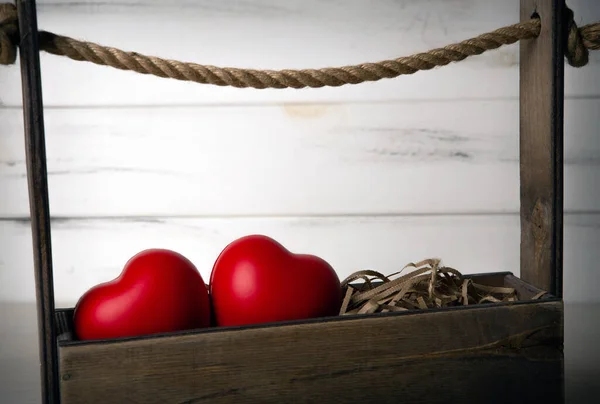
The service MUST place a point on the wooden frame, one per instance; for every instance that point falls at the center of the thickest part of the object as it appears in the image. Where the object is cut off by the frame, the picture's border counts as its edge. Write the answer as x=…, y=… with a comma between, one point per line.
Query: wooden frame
x=37, y=179
x=541, y=146
x=525, y=335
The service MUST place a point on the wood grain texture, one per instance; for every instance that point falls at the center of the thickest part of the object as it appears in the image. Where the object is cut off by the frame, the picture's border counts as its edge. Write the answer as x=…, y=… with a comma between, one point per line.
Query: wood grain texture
x=541, y=147
x=289, y=159
x=19, y=365
x=294, y=34
x=90, y=251
x=35, y=149
x=373, y=359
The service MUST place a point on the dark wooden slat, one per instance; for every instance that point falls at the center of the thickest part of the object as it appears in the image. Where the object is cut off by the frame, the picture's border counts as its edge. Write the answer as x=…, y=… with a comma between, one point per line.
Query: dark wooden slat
x=35, y=148
x=468, y=355
x=541, y=147
x=501, y=376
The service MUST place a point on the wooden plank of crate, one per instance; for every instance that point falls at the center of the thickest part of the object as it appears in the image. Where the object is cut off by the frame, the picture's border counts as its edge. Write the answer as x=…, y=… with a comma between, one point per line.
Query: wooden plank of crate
x=541, y=146
x=463, y=353
x=37, y=178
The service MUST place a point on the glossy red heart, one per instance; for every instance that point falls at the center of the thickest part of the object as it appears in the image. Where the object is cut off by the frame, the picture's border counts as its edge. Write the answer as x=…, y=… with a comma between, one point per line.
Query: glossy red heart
x=257, y=280
x=158, y=291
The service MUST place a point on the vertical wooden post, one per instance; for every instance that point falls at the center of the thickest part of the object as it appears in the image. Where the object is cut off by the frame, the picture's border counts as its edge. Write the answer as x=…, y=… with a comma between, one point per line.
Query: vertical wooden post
x=541, y=146
x=35, y=150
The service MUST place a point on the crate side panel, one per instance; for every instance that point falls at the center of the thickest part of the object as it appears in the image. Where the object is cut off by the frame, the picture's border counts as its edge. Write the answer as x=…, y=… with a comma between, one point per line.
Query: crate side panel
x=288, y=361
x=497, y=376
x=525, y=290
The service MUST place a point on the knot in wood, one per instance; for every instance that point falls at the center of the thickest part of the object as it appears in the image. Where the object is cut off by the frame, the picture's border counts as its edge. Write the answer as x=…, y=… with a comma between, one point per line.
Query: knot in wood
x=9, y=34
x=576, y=51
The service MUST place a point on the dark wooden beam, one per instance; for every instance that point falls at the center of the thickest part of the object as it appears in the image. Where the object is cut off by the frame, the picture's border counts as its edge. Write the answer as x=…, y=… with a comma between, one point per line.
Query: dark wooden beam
x=541, y=146
x=37, y=178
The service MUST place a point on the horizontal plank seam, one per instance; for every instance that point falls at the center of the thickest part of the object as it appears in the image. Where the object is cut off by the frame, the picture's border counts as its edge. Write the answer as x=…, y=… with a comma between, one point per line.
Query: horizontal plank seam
x=283, y=102
x=161, y=217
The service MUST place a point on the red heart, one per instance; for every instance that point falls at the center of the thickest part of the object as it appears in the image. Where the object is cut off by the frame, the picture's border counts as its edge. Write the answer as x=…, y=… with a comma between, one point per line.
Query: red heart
x=256, y=280
x=158, y=291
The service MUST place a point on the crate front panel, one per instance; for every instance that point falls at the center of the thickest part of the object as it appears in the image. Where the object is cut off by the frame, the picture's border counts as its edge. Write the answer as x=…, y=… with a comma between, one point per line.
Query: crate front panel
x=343, y=359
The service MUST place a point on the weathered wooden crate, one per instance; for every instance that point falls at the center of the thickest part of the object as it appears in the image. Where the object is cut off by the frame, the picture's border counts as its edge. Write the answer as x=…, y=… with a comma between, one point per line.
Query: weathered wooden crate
x=483, y=353
x=496, y=352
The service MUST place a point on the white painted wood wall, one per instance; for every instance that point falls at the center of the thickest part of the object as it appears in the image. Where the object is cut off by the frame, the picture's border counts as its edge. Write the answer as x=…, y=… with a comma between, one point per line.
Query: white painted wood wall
x=368, y=176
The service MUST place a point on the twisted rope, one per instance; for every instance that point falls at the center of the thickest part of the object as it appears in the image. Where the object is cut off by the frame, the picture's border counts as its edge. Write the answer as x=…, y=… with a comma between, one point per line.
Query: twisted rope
x=578, y=42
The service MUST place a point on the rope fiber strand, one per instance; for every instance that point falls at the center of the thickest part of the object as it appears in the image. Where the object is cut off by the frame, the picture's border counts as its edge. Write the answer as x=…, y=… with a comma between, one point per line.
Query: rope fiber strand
x=578, y=42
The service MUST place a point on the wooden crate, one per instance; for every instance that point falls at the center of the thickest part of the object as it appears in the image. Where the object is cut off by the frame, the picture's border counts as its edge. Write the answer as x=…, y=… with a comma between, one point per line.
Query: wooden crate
x=483, y=353
x=496, y=352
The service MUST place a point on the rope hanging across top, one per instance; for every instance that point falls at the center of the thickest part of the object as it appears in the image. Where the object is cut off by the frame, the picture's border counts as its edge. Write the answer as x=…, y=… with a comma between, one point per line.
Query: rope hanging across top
x=578, y=42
